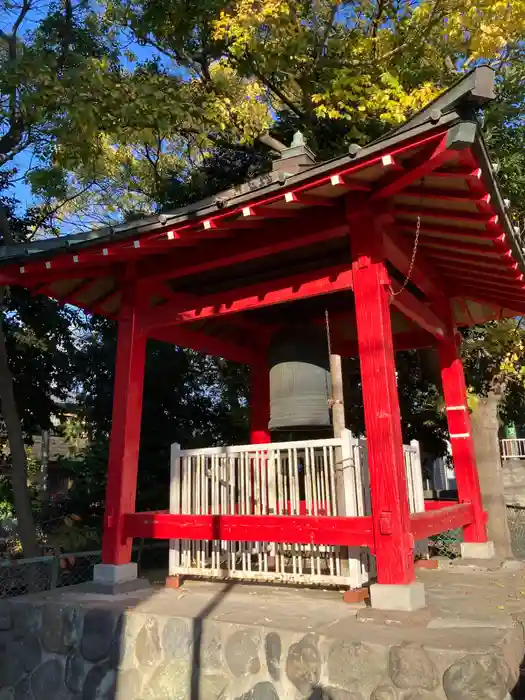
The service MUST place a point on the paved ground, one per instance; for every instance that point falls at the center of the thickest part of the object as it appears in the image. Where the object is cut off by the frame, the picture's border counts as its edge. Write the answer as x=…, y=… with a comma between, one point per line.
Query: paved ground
x=456, y=596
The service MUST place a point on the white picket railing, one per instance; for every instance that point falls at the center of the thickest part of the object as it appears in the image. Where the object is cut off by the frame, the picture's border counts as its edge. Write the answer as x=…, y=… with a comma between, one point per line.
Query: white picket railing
x=513, y=448
x=312, y=477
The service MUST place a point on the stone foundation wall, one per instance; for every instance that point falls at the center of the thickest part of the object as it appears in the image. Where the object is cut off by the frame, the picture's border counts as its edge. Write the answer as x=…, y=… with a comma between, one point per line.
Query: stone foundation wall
x=56, y=651
x=513, y=471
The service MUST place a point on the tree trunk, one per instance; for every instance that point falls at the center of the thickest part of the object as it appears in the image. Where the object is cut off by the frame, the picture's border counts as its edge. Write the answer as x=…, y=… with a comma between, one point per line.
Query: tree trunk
x=24, y=515
x=485, y=428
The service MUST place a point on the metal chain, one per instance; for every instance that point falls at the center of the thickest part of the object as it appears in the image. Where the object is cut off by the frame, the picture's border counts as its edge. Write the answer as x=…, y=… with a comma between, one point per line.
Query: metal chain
x=411, y=266
x=328, y=338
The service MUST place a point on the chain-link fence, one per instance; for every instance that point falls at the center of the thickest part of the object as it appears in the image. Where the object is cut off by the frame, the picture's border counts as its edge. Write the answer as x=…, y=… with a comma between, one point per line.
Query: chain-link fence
x=516, y=518
x=21, y=576
x=447, y=544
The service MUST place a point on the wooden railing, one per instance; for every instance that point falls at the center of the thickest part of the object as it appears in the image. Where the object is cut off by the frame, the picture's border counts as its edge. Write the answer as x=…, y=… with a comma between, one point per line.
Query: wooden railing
x=513, y=448
x=302, y=488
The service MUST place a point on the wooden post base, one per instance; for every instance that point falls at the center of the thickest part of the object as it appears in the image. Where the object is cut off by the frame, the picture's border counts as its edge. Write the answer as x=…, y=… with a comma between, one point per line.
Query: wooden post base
x=356, y=595
x=426, y=564
x=174, y=582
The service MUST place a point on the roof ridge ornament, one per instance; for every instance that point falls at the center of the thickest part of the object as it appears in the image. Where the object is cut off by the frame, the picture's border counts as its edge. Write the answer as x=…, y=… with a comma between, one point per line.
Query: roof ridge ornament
x=298, y=140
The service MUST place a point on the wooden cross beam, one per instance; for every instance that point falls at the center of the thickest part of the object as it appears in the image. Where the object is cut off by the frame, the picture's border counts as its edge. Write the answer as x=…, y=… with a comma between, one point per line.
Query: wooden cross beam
x=279, y=291
x=415, y=310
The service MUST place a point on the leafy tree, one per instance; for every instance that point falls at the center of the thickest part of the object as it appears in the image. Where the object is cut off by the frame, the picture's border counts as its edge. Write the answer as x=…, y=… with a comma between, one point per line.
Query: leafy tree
x=494, y=357
x=189, y=398
x=40, y=76
x=36, y=340
x=111, y=140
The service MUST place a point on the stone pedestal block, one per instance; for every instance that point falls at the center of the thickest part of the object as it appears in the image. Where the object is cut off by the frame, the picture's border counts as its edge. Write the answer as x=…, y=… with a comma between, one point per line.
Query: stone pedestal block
x=397, y=597
x=477, y=550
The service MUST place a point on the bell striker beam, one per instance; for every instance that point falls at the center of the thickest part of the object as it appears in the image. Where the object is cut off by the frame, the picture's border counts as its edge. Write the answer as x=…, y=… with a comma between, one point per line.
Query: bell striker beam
x=125, y=434
x=394, y=548
x=462, y=444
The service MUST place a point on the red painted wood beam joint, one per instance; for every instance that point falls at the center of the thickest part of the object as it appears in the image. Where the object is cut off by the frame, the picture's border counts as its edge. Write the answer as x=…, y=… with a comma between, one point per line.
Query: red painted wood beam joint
x=300, y=529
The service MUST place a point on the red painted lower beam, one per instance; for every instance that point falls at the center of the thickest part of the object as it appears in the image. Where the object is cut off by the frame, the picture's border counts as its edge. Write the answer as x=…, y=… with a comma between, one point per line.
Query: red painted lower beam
x=435, y=521
x=300, y=529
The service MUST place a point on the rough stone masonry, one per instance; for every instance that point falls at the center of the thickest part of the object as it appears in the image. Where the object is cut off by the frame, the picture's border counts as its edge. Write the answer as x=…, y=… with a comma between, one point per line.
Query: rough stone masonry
x=253, y=644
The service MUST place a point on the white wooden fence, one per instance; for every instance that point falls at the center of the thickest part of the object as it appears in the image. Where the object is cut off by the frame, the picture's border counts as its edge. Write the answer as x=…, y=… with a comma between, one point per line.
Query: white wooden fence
x=513, y=448
x=312, y=477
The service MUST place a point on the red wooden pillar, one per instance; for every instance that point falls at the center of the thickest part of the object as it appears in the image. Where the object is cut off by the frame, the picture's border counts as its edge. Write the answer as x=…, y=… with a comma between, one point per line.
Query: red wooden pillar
x=125, y=431
x=260, y=404
x=388, y=492
x=458, y=418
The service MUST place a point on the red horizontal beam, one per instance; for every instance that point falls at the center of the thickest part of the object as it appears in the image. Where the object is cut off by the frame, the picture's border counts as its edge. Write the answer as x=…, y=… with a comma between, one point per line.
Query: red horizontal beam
x=259, y=331
x=433, y=522
x=303, y=286
x=299, y=529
